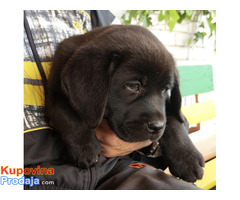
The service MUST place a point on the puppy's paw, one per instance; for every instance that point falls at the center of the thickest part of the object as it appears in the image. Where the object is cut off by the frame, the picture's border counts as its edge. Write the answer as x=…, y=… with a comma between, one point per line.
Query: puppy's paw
x=188, y=166
x=85, y=156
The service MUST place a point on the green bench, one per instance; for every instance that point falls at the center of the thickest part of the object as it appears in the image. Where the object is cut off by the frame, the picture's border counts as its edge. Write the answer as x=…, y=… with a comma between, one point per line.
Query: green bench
x=197, y=82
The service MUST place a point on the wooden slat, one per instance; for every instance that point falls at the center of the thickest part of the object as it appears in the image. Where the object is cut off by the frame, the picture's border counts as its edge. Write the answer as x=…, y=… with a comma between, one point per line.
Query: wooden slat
x=199, y=112
x=205, y=142
x=195, y=79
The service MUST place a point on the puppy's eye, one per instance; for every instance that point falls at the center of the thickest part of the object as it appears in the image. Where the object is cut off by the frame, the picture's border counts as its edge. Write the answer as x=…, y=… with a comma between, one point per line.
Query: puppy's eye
x=133, y=86
x=166, y=90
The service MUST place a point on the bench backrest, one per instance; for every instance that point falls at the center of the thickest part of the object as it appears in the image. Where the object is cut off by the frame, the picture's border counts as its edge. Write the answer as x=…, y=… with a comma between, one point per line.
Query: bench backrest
x=195, y=80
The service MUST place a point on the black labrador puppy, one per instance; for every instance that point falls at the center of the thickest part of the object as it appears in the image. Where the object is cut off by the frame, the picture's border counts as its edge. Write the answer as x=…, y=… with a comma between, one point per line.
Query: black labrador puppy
x=125, y=75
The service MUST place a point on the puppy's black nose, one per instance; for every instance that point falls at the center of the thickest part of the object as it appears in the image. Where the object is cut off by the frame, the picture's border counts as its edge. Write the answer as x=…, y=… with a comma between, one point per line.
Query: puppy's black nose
x=155, y=127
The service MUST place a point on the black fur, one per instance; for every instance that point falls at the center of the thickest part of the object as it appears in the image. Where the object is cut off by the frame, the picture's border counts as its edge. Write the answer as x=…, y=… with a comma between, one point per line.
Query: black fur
x=125, y=75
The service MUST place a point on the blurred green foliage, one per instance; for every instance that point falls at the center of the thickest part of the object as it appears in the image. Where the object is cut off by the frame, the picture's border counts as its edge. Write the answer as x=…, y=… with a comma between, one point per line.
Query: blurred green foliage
x=171, y=17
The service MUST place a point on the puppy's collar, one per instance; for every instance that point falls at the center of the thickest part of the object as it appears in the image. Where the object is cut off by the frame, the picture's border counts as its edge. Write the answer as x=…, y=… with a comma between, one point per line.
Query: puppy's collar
x=153, y=152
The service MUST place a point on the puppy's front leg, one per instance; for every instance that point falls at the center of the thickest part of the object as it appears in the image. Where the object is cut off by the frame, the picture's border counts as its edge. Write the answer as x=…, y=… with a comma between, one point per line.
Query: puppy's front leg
x=83, y=148
x=82, y=145
x=182, y=157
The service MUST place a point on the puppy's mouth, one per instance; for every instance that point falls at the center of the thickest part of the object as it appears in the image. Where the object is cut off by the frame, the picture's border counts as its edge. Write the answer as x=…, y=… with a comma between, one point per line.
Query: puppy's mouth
x=135, y=132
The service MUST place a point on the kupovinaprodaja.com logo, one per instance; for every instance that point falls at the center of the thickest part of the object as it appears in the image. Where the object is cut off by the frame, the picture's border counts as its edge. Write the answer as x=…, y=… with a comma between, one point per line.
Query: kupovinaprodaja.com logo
x=6, y=180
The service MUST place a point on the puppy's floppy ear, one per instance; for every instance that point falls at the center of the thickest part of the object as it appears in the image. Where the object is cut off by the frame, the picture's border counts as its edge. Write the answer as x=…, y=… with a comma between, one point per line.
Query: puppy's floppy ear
x=86, y=80
x=176, y=99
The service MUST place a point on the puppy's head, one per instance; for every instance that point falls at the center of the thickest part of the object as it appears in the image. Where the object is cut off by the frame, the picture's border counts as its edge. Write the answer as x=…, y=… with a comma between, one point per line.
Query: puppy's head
x=126, y=76
x=144, y=90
